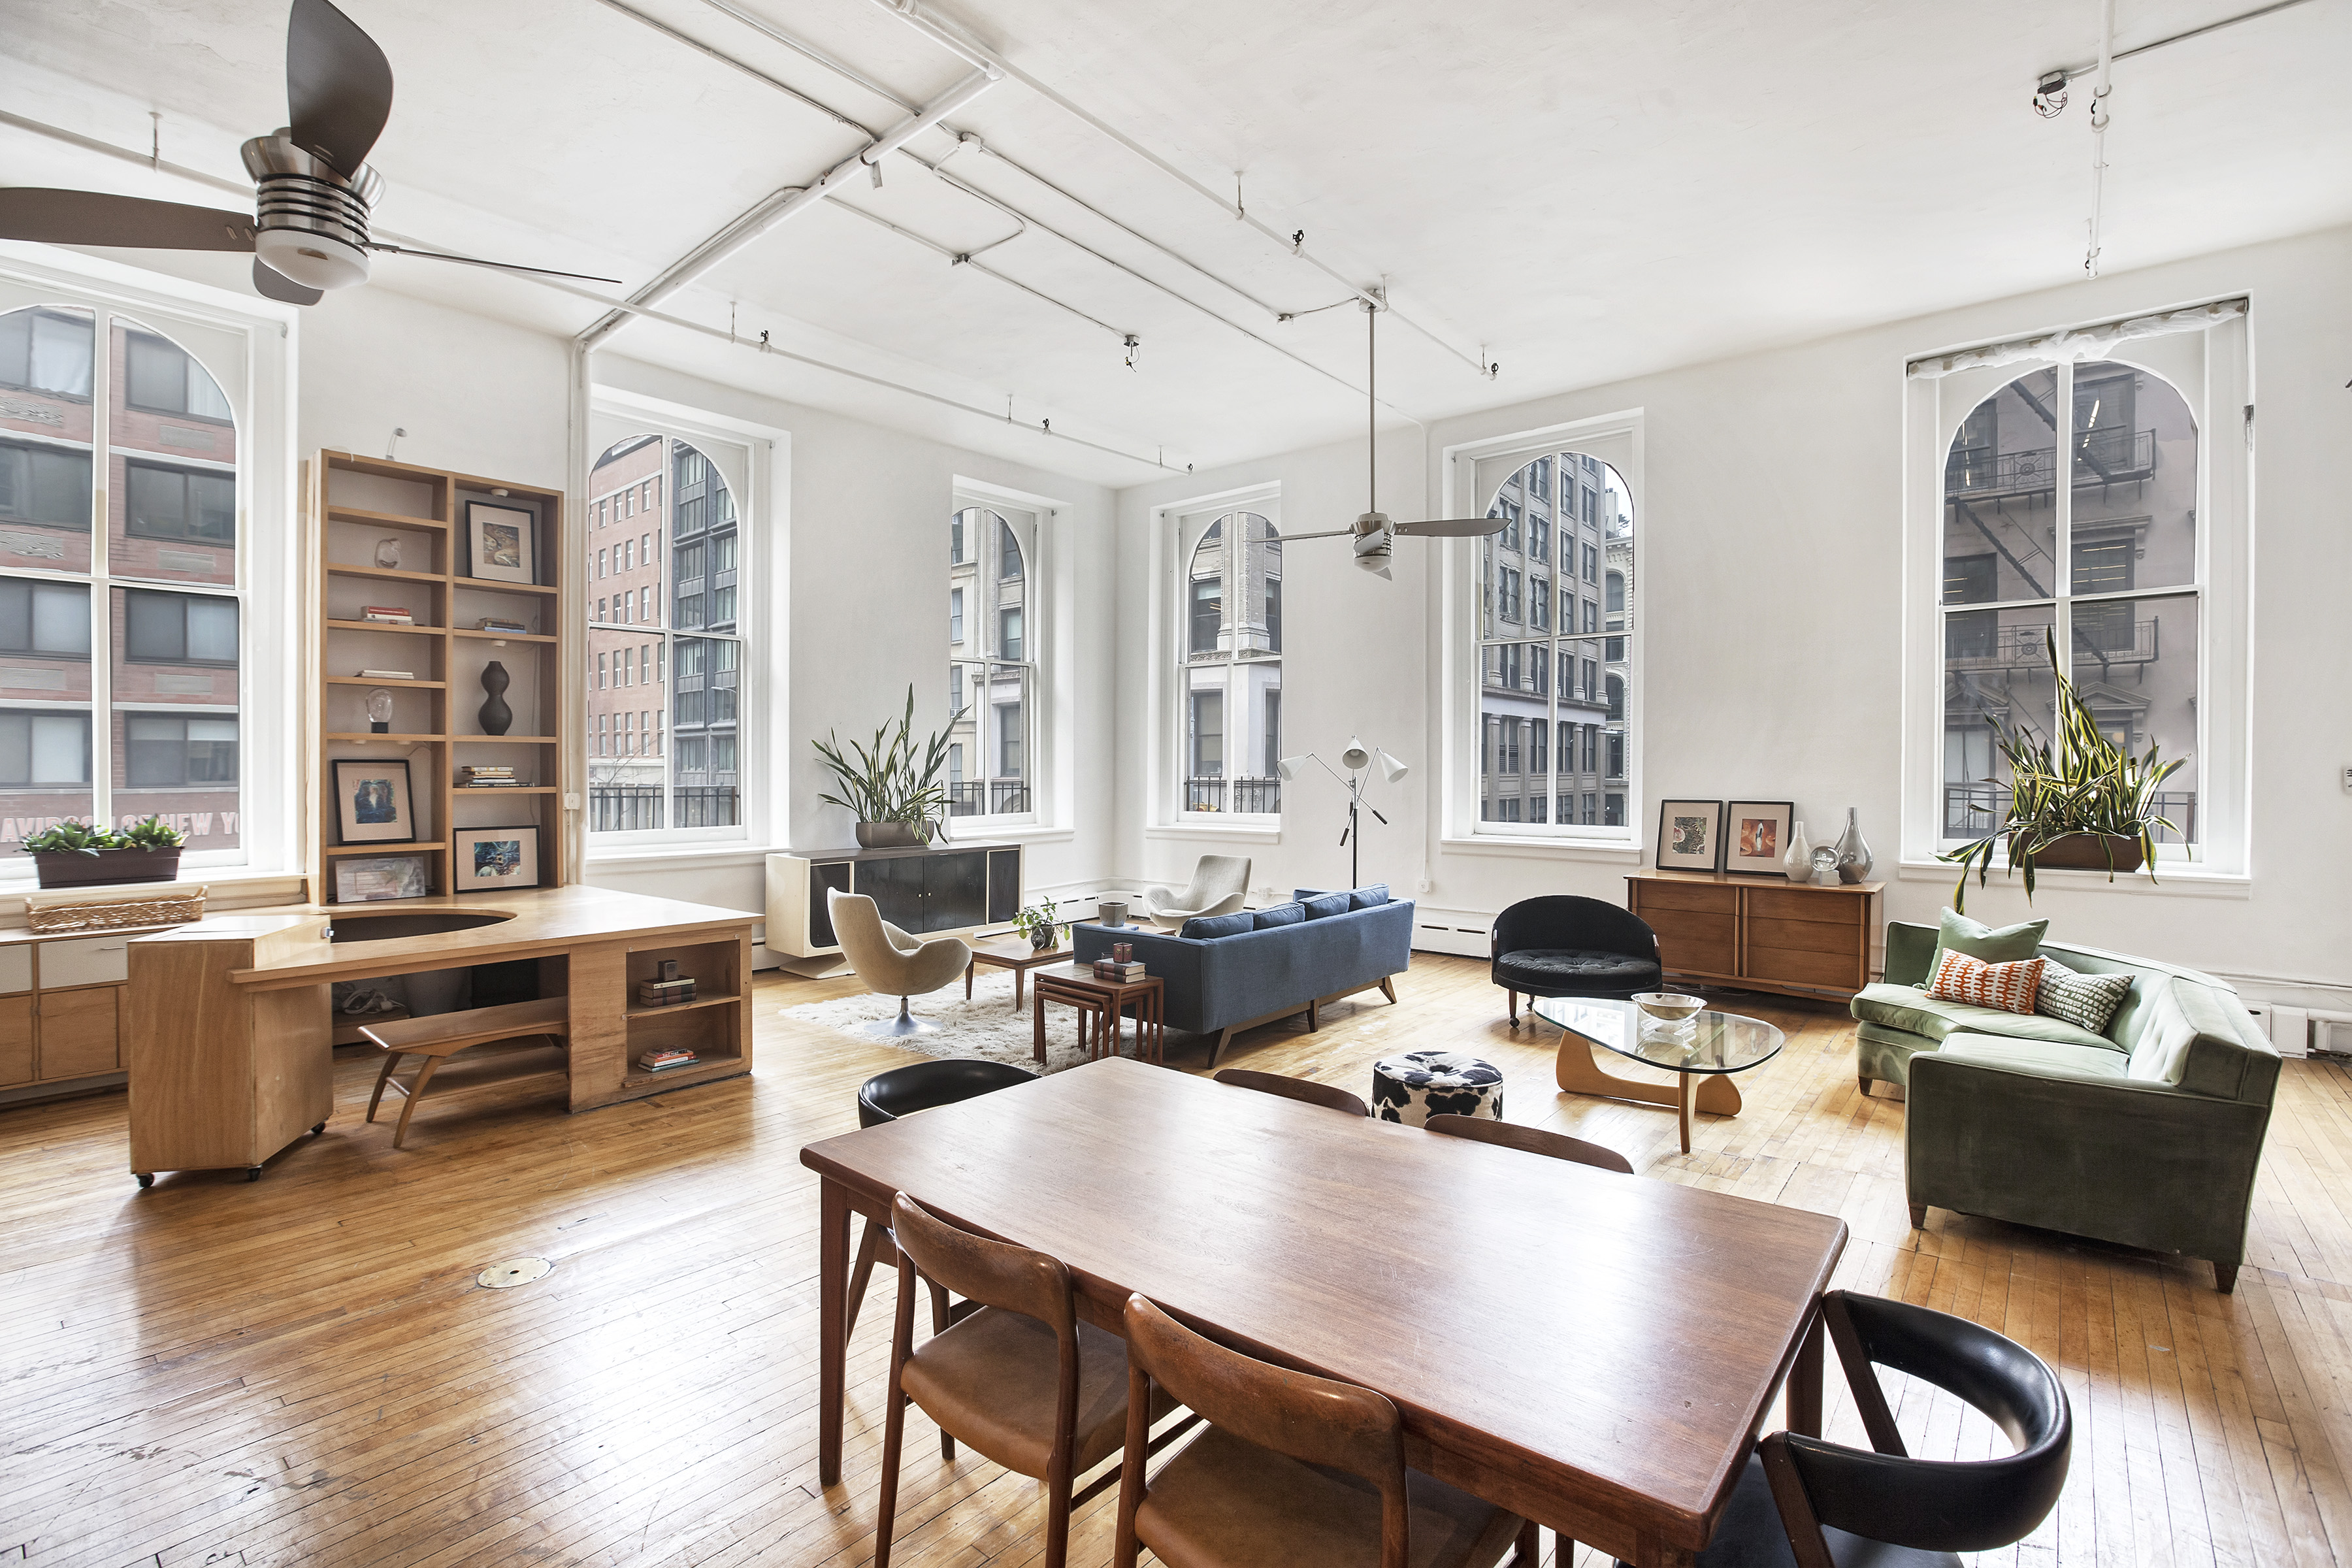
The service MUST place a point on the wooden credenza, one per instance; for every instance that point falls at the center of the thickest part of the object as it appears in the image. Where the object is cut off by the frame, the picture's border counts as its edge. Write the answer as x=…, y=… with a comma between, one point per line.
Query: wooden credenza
x=1757, y=933
x=60, y=1011
x=945, y=888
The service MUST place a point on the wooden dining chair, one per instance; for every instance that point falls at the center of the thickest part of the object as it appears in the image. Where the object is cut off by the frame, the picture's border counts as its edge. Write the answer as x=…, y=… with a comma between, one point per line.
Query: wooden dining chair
x=1530, y=1141
x=1019, y=1379
x=1290, y=1470
x=1300, y=1089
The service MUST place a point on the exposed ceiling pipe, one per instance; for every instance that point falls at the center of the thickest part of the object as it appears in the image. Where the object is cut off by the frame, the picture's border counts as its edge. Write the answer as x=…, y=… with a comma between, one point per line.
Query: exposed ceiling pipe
x=950, y=37
x=790, y=202
x=965, y=258
x=755, y=74
x=148, y=161
x=841, y=69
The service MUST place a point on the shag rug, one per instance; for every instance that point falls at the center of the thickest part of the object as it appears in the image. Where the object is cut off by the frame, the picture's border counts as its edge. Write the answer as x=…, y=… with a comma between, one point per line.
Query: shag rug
x=987, y=1025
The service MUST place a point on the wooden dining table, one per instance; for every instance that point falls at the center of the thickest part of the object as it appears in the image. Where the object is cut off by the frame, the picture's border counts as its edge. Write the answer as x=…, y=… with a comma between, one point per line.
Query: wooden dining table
x=1593, y=1351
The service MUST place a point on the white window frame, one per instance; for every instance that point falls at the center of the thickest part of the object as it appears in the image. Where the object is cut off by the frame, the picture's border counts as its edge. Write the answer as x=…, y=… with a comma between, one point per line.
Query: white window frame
x=1472, y=475
x=754, y=461
x=2202, y=350
x=1176, y=531
x=248, y=346
x=1048, y=647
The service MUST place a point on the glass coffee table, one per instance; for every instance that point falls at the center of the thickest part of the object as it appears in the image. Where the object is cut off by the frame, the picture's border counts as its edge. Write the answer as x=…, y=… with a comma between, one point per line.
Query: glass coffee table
x=1701, y=1051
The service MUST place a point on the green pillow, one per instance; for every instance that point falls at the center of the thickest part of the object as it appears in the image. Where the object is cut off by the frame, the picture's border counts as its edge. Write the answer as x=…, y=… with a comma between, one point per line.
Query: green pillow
x=2006, y=944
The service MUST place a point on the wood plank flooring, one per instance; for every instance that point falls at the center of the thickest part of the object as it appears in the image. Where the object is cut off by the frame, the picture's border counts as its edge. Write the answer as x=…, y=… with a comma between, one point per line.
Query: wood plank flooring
x=303, y=1370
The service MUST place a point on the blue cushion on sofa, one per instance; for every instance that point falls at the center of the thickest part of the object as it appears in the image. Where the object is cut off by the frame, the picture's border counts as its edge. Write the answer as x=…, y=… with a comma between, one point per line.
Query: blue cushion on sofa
x=1370, y=897
x=1200, y=926
x=1288, y=914
x=1327, y=904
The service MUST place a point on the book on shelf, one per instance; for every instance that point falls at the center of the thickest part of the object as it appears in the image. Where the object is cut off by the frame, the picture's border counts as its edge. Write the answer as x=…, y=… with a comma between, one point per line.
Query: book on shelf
x=494, y=784
x=666, y=1061
x=501, y=624
x=664, y=993
x=1126, y=973
x=387, y=675
x=393, y=614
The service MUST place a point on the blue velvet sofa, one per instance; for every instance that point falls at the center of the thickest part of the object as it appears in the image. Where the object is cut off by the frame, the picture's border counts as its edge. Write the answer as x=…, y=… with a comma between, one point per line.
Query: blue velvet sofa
x=1231, y=972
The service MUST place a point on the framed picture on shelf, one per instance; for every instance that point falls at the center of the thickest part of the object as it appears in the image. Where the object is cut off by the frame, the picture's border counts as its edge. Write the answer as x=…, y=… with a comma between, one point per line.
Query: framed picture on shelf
x=1755, y=836
x=370, y=878
x=501, y=542
x=1690, y=834
x=371, y=801
x=492, y=857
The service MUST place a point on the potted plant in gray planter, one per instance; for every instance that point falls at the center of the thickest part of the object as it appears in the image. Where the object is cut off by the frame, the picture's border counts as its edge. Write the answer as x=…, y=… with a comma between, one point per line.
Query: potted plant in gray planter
x=2082, y=803
x=80, y=854
x=893, y=789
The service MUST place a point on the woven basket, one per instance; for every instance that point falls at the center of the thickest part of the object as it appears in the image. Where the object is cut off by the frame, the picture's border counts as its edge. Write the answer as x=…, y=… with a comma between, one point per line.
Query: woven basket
x=178, y=908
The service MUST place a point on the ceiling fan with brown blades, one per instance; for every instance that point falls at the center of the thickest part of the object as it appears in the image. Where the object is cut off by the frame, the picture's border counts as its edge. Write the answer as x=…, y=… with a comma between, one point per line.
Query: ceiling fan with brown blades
x=309, y=232
x=1373, y=533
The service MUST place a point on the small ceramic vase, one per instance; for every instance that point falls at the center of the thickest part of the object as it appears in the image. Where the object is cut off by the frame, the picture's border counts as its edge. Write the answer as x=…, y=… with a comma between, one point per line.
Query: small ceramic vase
x=496, y=716
x=1853, y=857
x=387, y=552
x=1041, y=938
x=1798, y=861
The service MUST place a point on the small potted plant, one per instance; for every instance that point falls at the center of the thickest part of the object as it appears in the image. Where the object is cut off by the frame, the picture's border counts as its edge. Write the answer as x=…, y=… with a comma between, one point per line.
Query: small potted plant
x=2079, y=803
x=893, y=789
x=76, y=854
x=1038, y=923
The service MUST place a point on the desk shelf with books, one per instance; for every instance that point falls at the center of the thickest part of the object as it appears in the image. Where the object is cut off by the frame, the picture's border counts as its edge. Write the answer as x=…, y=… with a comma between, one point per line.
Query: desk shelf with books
x=712, y=1020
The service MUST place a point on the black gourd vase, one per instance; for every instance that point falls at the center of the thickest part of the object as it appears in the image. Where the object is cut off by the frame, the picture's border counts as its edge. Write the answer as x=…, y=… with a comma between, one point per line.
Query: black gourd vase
x=496, y=716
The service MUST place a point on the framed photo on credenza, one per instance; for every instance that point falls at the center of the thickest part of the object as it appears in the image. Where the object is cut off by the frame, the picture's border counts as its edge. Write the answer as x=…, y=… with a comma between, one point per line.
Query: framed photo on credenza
x=1690, y=834
x=1755, y=836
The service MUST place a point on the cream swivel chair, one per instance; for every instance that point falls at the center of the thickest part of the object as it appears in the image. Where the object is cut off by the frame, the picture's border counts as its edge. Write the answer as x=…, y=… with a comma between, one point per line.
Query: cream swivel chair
x=891, y=962
x=1220, y=882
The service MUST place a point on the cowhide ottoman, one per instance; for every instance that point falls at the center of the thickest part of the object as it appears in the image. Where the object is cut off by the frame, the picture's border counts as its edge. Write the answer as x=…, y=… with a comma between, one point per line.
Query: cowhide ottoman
x=1419, y=1085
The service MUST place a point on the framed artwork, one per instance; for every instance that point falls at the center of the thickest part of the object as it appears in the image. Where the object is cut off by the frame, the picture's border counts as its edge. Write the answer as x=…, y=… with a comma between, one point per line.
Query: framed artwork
x=1755, y=836
x=369, y=878
x=491, y=858
x=501, y=542
x=1690, y=834
x=372, y=803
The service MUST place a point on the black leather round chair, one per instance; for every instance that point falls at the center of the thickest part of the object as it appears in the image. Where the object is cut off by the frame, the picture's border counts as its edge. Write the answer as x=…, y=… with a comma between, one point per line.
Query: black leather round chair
x=1883, y=1507
x=1562, y=945
x=902, y=1091
x=921, y=1086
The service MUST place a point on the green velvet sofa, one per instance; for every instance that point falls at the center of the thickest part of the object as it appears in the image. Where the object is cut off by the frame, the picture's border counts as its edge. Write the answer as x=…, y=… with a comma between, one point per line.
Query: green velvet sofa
x=2148, y=1135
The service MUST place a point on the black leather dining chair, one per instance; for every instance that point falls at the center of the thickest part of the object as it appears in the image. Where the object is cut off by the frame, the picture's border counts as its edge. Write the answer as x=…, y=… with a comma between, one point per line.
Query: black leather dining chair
x=902, y=1091
x=1562, y=945
x=1807, y=1503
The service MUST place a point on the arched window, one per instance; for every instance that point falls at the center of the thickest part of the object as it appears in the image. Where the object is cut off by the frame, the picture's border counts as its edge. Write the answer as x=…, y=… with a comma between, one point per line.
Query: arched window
x=2105, y=564
x=1229, y=663
x=664, y=640
x=991, y=666
x=1555, y=624
x=157, y=587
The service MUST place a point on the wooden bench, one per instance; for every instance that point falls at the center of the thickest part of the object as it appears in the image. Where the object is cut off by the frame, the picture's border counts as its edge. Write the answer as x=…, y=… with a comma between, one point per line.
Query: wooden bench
x=441, y=1035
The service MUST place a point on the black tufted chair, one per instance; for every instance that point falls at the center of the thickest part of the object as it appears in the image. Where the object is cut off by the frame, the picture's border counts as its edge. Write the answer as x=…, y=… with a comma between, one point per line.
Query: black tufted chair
x=1804, y=1503
x=902, y=1091
x=1561, y=945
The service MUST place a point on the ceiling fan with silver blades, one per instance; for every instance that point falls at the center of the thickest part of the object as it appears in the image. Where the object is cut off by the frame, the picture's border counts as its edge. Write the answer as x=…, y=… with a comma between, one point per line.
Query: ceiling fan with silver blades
x=309, y=231
x=1373, y=533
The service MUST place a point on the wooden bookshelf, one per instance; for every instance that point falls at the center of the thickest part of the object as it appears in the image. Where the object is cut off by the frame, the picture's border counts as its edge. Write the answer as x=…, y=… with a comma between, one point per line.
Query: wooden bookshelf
x=353, y=503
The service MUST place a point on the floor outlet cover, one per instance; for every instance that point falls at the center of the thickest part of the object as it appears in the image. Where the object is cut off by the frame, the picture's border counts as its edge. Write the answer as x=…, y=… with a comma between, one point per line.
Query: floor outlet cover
x=514, y=1271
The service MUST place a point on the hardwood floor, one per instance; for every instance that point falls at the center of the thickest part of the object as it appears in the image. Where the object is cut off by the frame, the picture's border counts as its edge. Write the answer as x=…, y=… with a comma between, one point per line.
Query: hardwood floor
x=304, y=1370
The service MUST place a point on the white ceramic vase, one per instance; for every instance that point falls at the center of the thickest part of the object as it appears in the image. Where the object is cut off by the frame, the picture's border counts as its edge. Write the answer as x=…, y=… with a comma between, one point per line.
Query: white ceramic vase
x=1798, y=861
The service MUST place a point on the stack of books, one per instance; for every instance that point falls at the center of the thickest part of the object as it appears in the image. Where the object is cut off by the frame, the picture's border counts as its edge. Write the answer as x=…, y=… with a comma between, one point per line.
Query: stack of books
x=664, y=993
x=390, y=614
x=486, y=777
x=387, y=675
x=667, y=1059
x=1126, y=973
x=501, y=624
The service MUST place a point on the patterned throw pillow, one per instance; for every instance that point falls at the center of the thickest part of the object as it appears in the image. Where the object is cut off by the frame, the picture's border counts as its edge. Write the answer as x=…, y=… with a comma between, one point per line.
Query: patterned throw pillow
x=2087, y=1001
x=2010, y=987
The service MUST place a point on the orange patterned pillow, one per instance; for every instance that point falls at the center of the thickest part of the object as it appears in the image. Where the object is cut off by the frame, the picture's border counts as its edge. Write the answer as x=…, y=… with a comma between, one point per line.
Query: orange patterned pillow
x=2010, y=987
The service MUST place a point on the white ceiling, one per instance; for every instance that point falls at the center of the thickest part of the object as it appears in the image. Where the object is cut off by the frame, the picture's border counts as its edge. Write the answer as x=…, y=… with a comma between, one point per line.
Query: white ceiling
x=1582, y=194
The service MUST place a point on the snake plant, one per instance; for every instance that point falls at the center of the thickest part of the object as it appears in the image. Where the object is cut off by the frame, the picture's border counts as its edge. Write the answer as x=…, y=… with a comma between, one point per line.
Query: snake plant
x=895, y=780
x=2081, y=782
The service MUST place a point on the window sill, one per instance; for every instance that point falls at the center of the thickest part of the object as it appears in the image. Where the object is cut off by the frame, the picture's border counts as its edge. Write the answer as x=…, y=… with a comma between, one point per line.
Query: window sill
x=1027, y=833
x=1554, y=848
x=1270, y=834
x=232, y=887
x=2179, y=880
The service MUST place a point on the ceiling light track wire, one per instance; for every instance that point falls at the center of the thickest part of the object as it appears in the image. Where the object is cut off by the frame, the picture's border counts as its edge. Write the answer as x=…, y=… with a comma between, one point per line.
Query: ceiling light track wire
x=698, y=46
x=2099, y=118
x=841, y=69
x=965, y=258
x=916, y=15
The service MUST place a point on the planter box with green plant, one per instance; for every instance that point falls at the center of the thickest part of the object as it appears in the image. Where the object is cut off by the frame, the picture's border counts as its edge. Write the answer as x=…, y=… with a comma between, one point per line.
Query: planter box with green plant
x=80, y=854
x=2077, y=801
x=893, y=789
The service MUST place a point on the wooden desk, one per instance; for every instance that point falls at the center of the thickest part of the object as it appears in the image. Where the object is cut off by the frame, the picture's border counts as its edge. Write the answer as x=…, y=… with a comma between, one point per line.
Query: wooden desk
x=229, y=1043
x=1594, y=1352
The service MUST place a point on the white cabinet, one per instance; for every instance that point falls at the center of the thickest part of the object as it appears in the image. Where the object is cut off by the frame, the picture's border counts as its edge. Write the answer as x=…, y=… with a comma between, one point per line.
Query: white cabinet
x=85, y=960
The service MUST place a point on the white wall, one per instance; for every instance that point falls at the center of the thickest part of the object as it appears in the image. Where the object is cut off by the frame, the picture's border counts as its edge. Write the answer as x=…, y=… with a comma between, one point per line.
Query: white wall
x=1773, y=542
